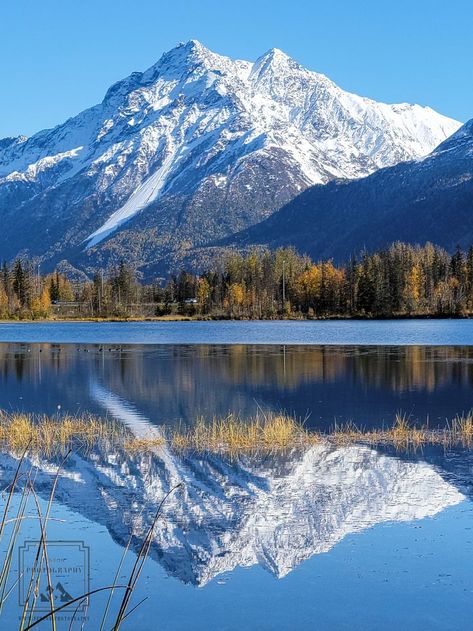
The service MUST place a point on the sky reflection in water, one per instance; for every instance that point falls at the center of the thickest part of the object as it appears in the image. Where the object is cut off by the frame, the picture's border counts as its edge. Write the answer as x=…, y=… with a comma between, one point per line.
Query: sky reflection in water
x=276, y=540
x=323, y=538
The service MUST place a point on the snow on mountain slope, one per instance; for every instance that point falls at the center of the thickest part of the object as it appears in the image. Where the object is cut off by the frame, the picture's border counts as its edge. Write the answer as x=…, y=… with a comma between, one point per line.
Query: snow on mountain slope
x=204, y=137
x=139, y=199
x=428, y=199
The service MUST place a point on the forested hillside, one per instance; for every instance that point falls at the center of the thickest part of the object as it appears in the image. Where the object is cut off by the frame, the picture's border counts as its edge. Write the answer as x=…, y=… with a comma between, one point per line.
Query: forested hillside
x=414, y=202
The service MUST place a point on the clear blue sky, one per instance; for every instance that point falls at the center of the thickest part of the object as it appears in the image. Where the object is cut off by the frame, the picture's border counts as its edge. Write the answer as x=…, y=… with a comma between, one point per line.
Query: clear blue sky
x=60, y=56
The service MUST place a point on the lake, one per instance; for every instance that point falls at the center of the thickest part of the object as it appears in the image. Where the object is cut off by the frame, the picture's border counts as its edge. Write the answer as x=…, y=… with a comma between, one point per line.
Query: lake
x=323, y=537
x=337, y=536
x=372, y=332
x=170, y=384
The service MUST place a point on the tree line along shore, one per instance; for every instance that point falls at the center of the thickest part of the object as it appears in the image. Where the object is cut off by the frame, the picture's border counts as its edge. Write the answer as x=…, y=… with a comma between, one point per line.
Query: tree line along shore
x=399, y=281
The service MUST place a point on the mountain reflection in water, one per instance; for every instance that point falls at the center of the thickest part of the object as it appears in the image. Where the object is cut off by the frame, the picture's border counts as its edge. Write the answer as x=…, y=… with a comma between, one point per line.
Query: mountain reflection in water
x=168, y=384
x=271, y=510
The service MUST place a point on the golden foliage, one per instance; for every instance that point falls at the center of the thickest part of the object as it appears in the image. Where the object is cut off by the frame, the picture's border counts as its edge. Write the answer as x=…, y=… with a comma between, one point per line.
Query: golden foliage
x=3, y=303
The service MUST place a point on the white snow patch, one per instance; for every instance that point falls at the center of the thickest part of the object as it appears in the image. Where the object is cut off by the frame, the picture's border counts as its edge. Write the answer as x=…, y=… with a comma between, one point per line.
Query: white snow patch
x=146, y=193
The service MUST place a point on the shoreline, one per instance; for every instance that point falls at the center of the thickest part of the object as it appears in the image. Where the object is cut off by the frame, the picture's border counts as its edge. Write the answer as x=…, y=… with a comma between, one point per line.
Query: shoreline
x=178, y=318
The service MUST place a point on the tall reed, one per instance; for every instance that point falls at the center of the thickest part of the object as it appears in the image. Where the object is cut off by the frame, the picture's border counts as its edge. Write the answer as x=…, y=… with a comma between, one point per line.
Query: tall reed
x=7, y=584
x=231, y=434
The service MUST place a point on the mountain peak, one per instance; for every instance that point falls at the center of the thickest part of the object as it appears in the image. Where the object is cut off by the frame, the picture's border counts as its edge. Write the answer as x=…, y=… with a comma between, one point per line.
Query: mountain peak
x=192, y=50
x=193, y=44
x=273, y=59
x=180, y=58
x=277, y=54
x=191, y=47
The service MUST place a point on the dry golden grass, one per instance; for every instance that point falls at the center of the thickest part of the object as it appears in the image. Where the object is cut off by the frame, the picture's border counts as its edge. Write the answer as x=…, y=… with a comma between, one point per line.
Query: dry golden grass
x=279, y=432
x=404, y=436
x=263, y=433
x=50, y=435
x=140, y=445
x=231, y=434
x=462, y=427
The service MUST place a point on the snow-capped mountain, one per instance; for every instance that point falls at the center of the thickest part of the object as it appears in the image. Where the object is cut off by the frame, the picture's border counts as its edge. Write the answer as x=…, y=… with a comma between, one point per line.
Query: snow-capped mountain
x=429, y=199
x=193, y=149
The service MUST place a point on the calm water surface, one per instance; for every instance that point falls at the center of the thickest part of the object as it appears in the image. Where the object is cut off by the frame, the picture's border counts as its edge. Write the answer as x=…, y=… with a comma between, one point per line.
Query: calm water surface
x=400, y=332
x=323, y=538
x=169, y=384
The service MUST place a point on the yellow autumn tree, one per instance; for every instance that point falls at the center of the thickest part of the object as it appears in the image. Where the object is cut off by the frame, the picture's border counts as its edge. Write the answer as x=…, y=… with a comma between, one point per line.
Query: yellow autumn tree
x=413, y=288
x=203, y=294
x=40, y=305
x=65, y=289
x=307, y=286
x=3, y=303
x=332, y=286
x=236, y=297
x=333, y=275
x=45, y=300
